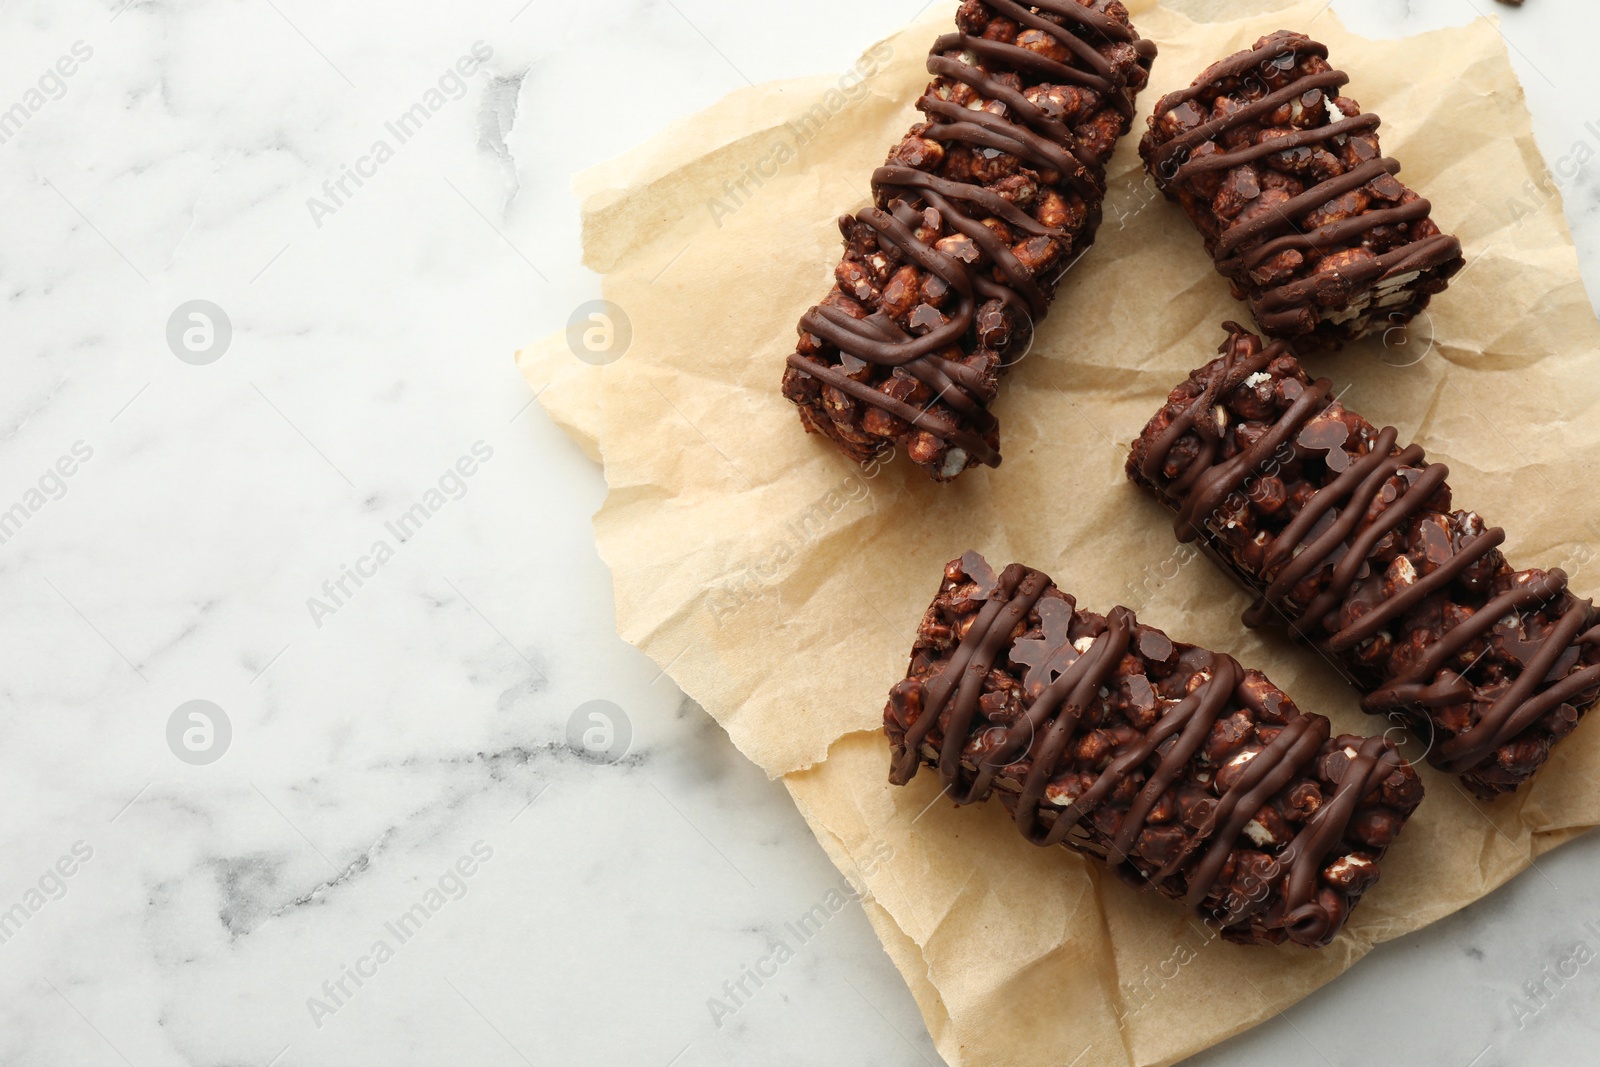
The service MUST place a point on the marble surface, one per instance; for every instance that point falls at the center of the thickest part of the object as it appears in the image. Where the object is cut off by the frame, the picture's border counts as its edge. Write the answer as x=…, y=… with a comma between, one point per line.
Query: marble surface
x=333, y=518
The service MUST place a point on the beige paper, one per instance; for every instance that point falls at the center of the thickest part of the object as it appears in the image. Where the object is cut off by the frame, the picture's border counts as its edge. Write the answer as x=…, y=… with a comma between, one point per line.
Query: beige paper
x=780, y=584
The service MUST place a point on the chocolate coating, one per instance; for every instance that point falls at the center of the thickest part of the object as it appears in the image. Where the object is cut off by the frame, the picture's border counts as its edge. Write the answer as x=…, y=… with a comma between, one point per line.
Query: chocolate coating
x=1351, y=540
x=1176, y=766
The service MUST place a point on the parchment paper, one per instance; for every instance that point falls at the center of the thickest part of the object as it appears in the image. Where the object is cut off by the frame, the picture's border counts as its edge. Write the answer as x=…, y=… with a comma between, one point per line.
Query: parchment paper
x=779, y=583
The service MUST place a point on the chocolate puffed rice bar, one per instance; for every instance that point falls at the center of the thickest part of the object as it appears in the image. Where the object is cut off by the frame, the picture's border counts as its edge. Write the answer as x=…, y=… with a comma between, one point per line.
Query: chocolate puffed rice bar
x=977, y=214
x=1354, y=543
x=1175, y=766
x=1282, y=175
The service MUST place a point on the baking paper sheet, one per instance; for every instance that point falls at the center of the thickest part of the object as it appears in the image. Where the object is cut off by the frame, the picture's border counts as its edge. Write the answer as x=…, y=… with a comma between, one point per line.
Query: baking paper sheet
x=780, y=584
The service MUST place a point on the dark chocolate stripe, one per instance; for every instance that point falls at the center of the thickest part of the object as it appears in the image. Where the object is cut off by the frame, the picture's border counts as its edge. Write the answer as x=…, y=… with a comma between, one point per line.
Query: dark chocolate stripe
x=1283, y=218
x=1333, y=233
x=1232, y=67
x=1374, y=761
x=1298, y=139
x=1191, y=139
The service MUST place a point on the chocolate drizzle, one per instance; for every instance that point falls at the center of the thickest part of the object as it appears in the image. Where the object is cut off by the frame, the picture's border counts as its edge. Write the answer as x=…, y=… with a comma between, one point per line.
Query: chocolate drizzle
x=1010, y=124
x=1243, y=247
x=1062, y=682
x=1331, y=530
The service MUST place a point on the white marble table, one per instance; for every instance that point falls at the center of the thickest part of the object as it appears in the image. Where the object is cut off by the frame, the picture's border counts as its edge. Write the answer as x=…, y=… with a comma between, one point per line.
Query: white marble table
x=337, y=520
